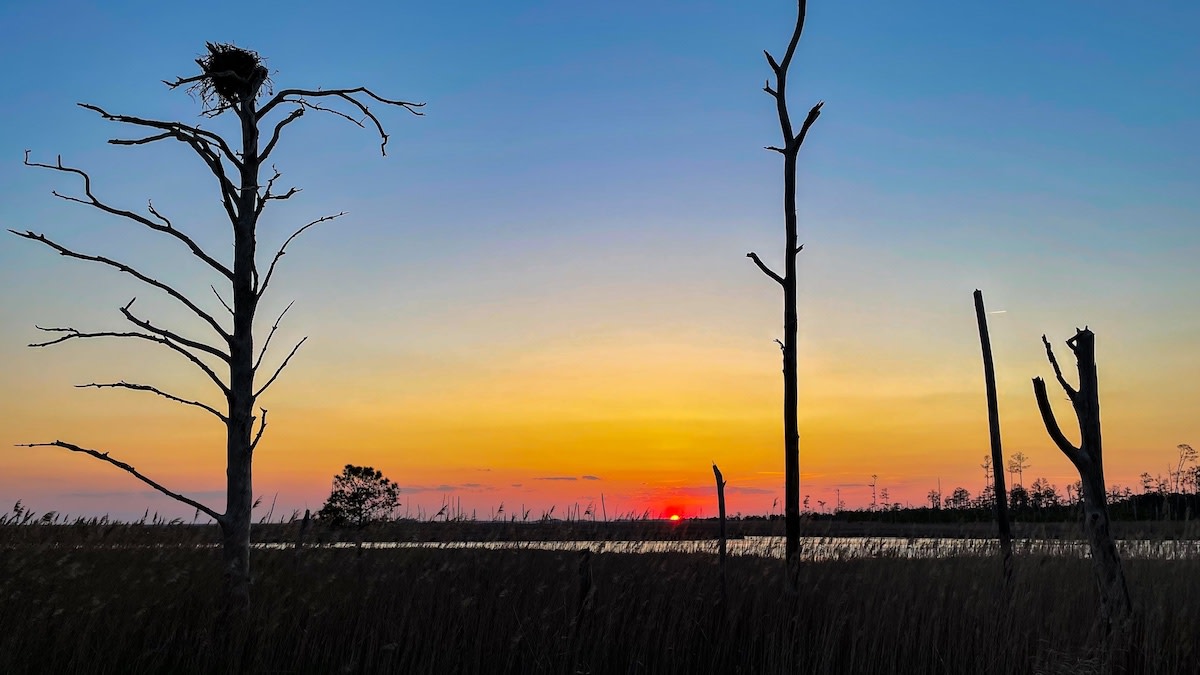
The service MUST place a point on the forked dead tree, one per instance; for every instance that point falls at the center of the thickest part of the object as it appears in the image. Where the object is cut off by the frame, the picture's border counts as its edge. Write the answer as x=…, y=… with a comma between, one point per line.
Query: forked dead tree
x=792, y=140
x=231, y=80
x=1088, y=461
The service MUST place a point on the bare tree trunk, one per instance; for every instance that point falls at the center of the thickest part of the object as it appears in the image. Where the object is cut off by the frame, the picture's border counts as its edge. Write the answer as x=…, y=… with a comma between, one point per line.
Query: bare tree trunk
x=1001, y=496
x=721, y=541
x=791, y=428
x=1088, y=460
x=239, y=483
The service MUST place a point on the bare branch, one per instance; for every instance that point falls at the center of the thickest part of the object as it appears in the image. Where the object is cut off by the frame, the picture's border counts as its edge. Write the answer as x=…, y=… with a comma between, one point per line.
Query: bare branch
x=145, y=324
x=163, y=226
x=292, y=117
x=776, y=149
x=791, y=48
x=186, y=80
x=290, y=96
x=332, y=111
x=808, y=122
x=269, y=194
x=64, y=251
x=269, y=197
x=202, y=142
x=262, y=426
x=154, y=390
x=165, y=221
x=178, y=130
x=103, y=456
x=222, y=300
x=141, y=141
x=280, y=368
x=1071, y=393
x=283, y=249
x=771, y=60
x=270, y=335
x=766, y=270
x=780, y=69
x=71, y=333
x=799, y=248
x=1073, y=453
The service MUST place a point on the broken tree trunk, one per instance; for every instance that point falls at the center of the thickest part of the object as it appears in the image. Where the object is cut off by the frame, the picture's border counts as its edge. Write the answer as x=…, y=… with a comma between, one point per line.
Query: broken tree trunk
x=1001, y=496
x=1088, y=460
x=721, y=541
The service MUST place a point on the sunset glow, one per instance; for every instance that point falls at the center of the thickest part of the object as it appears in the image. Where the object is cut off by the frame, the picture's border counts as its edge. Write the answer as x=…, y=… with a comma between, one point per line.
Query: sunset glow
x=539, y=300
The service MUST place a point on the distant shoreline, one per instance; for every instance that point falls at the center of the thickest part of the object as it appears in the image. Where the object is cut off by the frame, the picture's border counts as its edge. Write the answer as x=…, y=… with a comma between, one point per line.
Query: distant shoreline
x=639, y=530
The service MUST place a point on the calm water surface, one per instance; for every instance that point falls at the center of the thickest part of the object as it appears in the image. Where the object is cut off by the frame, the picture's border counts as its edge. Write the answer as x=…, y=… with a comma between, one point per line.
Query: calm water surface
x=819, y=548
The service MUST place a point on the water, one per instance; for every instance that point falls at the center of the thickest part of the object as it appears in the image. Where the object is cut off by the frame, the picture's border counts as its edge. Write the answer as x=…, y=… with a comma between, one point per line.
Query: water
x=818, y=548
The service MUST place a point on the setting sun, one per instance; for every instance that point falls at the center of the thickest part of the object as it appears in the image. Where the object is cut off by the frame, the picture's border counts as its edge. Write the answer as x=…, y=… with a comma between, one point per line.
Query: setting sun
x=674, y=517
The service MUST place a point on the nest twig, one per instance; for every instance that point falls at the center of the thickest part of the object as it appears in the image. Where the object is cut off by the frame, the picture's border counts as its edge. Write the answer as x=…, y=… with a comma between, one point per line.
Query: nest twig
x=230, y=75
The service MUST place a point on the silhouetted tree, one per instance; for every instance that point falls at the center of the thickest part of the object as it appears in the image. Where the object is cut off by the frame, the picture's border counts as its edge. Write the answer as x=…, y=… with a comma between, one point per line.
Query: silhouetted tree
x=993, y=464
x=959, y=498
x=1043, y=495
x=987, y=470
x=987, y=499
x=360, y=495
x=231, y=80
x=1147, y=482
x=935, y=499
x=1180, y=476
x=1017, y=465
x=1089, y=462
x=720, y=479
x=790, y=149
x=1018, y=498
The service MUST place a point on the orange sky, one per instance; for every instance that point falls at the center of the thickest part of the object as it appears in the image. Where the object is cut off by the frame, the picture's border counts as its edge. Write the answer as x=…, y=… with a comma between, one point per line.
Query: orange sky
x=637, y=418
x=541, y=295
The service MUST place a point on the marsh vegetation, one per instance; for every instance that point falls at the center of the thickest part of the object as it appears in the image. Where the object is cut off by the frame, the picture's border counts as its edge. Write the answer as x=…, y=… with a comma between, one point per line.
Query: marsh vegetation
x=128, y=598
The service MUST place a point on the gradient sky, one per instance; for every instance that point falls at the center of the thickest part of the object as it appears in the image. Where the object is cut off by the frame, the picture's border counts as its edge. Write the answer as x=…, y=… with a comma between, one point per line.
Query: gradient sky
x=540, y=295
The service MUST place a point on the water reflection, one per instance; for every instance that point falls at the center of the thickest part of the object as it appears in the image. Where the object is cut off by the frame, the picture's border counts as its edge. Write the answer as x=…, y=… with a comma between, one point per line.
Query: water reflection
x=817, y=548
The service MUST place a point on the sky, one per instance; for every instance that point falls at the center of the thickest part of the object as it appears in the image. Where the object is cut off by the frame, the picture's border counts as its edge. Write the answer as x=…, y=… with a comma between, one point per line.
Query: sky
x=540, y=297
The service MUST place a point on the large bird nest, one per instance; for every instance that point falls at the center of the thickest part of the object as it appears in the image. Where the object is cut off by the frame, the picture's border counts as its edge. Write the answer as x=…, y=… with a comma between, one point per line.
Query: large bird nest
x=231, y=75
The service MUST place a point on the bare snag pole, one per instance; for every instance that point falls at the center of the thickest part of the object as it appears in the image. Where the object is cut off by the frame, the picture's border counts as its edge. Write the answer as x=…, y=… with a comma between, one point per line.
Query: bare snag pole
x=1001, y=496
x=790, y=149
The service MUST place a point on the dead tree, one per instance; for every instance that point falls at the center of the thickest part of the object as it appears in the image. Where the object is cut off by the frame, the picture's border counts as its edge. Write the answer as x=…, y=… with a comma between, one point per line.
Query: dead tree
x=1088, y=461
x=230, y=80
x=1000, y=496
x=790, y=149
x=721, y=545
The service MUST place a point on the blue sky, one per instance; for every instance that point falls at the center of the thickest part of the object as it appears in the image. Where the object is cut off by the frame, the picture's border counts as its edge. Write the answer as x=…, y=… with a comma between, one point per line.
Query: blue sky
x=587, y=180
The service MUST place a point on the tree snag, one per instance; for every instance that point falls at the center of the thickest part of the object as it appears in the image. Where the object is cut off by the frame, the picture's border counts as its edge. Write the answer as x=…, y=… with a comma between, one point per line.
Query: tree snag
x=792, y=140
x=721, y=546
x=1000, y=496
x=1088, y=460
x=230, y=80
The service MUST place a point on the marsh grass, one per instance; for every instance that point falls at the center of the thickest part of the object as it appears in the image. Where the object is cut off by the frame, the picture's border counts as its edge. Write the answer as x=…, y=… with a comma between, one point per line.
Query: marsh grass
x=83, y=608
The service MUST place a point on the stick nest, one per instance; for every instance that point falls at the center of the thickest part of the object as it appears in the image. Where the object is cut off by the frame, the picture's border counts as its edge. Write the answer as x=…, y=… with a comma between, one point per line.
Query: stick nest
x=231, y=75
